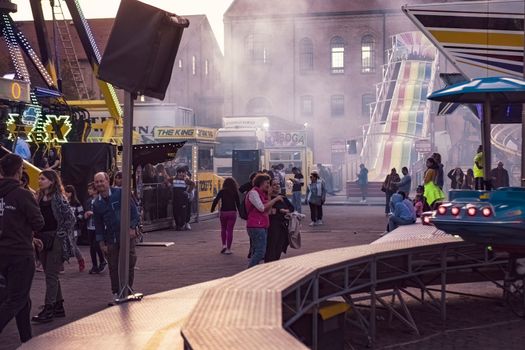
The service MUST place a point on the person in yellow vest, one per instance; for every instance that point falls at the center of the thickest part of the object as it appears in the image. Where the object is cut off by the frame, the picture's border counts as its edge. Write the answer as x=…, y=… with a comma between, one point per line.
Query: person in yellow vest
x=433, y=194
x=479, y=171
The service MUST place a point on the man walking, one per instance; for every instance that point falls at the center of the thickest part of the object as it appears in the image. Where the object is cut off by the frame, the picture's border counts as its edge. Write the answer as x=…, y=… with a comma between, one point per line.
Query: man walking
x=106, y=214
x=298, y=183
x=499, y=176
x=362, y=181
x=19, y=217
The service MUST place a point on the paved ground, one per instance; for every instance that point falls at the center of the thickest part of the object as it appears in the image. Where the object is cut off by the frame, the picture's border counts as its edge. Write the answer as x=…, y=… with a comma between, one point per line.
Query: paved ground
x=195, y=258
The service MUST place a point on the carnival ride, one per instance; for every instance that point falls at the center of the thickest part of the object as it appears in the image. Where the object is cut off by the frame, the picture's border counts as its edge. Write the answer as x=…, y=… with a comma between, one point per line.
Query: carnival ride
x=401, y=114
x=480, y=39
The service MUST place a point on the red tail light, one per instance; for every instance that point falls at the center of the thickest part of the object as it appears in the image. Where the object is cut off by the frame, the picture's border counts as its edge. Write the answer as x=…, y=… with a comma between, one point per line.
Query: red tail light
x=442, y=210
x=454, y=211
x=471, y=211
x=486, y=212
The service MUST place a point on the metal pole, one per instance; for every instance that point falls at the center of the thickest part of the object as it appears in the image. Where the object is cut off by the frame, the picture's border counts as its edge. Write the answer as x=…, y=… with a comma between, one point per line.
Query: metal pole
x=485, y=139
x=123, y=265
x=523, y=117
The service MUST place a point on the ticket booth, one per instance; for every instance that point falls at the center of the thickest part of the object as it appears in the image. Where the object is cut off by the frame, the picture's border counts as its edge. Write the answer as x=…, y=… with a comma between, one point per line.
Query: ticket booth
x=197, y=154
x=288, y=148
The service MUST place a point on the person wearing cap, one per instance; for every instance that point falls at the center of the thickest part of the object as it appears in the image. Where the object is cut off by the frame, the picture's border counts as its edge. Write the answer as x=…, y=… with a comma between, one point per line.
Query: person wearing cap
x=20, y=216
x=315, y=197
x=499, y=176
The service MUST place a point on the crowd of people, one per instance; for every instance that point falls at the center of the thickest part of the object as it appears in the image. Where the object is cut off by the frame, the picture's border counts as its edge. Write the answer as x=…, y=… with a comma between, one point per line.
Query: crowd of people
x=44, y=226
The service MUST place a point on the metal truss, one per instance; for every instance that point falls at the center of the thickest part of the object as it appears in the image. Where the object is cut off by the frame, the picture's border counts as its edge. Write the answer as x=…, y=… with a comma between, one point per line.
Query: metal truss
x=383, y=279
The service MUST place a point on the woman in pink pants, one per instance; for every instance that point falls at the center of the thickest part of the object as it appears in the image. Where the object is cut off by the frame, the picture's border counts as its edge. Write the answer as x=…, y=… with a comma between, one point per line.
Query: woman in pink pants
x=229, y=197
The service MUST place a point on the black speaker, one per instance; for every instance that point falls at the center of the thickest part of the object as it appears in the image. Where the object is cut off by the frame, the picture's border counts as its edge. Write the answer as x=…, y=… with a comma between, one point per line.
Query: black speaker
x=141, y=49
x=244, y=162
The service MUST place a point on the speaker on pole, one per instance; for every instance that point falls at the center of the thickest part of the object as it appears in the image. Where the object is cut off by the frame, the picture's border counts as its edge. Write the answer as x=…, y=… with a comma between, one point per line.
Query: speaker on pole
x=141, y=49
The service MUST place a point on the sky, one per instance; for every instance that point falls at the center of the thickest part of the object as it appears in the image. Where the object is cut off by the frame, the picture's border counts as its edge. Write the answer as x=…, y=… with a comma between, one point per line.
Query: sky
x=213, y=9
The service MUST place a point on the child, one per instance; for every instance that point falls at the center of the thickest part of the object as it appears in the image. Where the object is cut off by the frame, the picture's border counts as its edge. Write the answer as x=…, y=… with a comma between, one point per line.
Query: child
x=78, y=211
x=420, y=202
x=94, y=247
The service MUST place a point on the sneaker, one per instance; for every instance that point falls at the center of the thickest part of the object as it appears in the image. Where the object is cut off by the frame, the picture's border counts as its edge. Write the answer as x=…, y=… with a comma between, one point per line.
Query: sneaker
x=228, y=252
x=313, y=223
x=384, y=233
x=223, y=250
x=319, y=222
x=102, y=266
x=187, y=227
x=81, y=265
x=59, y=310
x=94, y=270
x=44, y=316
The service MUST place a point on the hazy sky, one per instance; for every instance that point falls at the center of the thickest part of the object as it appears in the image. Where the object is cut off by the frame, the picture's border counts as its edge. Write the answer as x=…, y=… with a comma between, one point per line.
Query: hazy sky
x=214, y=9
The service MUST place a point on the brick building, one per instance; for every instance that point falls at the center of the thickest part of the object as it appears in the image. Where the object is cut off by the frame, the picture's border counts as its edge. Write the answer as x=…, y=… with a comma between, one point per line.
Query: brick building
x=196, y=81
x=315, y=62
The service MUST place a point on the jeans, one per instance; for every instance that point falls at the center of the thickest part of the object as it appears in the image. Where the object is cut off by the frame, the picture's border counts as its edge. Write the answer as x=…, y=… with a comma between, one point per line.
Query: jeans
x=52, y=264
x=94, y=250
x=316, y=212
x=74, y=245
x=394, y=222
x=228, y=219
x=17, y=273
x=296, y=201
x=113, y=259
x=258, y=238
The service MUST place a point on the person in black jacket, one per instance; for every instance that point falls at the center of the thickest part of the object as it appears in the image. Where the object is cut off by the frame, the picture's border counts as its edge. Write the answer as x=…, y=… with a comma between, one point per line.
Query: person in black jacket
x=456, y=177
x=277, y=240
x=19, y=217
x=230, y=204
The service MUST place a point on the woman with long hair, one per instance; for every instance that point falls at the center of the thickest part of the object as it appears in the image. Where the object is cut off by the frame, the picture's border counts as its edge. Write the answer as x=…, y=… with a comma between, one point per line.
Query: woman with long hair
x=456, y=177
x=390, y=187
x=315, y=198
x=468, y=183
x=78, y=211
x=59, y=222
x=258, y=207
x=277, y=241
x=230, y=204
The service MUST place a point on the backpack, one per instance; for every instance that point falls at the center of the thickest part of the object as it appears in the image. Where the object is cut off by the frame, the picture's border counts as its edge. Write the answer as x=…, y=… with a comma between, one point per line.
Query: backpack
x=242, y=208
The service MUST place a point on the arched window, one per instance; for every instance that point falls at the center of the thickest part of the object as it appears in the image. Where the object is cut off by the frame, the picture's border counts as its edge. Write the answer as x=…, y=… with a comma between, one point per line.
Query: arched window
x=259, y=106
x=255, y=47
x=368, y=54
x=366, y=105
x=337, y=55
x=306, y=55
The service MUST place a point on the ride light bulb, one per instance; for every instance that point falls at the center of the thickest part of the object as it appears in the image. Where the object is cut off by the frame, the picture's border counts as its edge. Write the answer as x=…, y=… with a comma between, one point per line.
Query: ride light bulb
x=454, y=211
x=486, y=212
x=426, y=220
x=442, y=210
x=471, y=211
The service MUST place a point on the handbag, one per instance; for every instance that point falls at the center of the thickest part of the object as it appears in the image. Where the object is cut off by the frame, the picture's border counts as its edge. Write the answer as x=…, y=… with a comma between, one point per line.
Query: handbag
x=47, y=238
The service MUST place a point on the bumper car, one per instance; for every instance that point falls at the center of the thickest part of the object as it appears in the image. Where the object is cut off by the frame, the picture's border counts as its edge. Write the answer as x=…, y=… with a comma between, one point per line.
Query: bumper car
x=496, y=217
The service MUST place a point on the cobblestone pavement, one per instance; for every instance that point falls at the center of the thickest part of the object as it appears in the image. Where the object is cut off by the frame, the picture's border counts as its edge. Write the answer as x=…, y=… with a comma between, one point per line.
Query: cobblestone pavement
x=473, y=323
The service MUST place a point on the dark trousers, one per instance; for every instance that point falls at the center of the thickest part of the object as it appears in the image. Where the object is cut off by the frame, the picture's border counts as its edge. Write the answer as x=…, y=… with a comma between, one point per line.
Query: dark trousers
x=113, y=258
x=180, y=207
x=364, y=191
x=316, y=212
x=479, y=184
x=52, y=264
x=16, y=277
x=387, y=204
x=94, y=249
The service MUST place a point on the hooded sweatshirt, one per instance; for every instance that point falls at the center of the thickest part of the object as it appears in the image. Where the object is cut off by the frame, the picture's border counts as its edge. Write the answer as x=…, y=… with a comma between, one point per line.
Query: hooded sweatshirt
x=401, y=208
x=19, y=217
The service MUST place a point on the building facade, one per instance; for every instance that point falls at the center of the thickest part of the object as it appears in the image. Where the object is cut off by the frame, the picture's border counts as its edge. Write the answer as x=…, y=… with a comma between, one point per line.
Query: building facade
x=314, y=62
